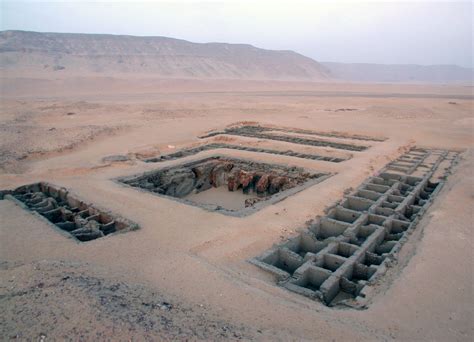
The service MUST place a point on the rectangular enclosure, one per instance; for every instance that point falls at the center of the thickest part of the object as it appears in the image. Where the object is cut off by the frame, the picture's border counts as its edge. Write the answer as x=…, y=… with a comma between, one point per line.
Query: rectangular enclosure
x=214, y=146
x=278, y=134
x=344, y=252
x=227, y=185
x=77, y=218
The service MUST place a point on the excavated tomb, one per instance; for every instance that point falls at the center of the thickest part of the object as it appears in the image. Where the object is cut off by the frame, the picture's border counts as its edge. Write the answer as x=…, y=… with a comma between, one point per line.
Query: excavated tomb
x=262, y=132
x=339, y=256
x=227, y=185
x=66, y=212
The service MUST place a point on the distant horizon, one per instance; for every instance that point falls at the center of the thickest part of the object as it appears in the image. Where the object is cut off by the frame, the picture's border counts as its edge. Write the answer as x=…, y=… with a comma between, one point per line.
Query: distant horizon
x=408, y=32
x=222, y=42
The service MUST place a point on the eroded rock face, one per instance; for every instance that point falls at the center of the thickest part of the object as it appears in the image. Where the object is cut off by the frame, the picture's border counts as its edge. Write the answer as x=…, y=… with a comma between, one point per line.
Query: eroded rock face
x=245, y=179
x=179, y=184
x=276, y=184
x=233, y=179
x=220, y=174
x=175, y=182
x=203, y=175
x=262, y=184
x=261, y=179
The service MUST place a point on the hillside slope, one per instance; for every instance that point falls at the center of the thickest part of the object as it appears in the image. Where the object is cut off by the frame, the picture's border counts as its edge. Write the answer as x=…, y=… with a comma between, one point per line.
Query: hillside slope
x=57, y=54
x=399, y=73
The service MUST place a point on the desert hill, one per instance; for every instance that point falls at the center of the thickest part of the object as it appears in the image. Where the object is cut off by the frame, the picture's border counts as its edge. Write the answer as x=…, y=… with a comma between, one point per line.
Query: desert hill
x=44, y=55
x=58, y=54
x=399, y=73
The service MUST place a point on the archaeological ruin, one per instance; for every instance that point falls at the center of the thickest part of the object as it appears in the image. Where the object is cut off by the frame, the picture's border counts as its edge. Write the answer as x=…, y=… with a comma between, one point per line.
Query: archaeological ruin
x=339, y=256
x=66, y=212
x=285, y=135
x=214, y=146
x=253, y=185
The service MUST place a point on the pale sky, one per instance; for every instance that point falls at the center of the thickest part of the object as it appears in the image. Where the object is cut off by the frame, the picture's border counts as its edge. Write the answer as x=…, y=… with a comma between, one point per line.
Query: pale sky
x=397, y=32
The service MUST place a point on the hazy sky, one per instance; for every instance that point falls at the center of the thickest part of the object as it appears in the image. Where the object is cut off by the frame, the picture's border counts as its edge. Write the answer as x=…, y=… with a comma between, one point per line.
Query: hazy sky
x=397, y=32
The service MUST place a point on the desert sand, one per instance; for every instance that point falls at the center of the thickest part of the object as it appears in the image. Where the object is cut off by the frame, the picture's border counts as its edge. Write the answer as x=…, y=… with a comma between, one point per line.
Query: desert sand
x=185, y=273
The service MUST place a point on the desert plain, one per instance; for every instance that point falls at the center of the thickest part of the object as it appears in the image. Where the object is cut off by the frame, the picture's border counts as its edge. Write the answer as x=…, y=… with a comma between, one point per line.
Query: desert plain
x=185, y=273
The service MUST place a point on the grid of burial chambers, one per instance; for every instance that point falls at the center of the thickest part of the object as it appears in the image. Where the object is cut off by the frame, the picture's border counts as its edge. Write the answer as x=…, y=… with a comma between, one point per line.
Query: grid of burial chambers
x=340, y=255
x=66, y=212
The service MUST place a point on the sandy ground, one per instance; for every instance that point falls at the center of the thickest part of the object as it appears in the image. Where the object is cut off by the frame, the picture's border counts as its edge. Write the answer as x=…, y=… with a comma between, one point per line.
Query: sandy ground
x=184, y=274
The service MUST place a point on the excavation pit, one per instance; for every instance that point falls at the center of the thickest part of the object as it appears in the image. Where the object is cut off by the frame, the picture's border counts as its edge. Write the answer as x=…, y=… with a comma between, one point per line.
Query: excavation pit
x=67, y=213
x=261, y=132
x=230, y=186
x=340, y=257
x=213, y=146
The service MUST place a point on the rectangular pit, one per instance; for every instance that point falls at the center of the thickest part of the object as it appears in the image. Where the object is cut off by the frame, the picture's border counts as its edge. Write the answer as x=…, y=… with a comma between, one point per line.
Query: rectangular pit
x=262, y=132
x=67, y=213
x=226, y=185
x=214, y=146
x=342, y=253
x=260, y=128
